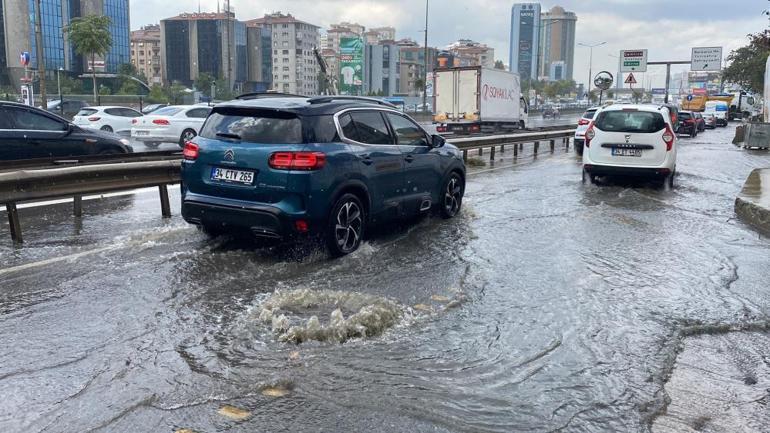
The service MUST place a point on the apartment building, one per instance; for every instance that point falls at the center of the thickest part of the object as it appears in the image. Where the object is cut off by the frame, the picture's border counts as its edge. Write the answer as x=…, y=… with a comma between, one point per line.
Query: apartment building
x=145, y=53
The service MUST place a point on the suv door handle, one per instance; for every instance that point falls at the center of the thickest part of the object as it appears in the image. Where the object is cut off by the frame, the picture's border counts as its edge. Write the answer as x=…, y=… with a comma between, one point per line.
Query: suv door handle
x=409, y=158
x=366, y=159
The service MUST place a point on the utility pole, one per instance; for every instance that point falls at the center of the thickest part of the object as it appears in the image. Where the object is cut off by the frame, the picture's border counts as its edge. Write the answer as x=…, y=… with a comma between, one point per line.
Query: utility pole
x=591, y=63
x=40, y=54
x=425, y=79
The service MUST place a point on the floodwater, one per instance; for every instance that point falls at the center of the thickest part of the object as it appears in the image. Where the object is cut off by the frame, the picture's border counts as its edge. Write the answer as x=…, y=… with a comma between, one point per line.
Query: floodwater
x=546, y=305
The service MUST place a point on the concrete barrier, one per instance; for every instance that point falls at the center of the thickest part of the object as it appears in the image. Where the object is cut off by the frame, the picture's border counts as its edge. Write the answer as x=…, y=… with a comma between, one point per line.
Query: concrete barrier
x=753, y=203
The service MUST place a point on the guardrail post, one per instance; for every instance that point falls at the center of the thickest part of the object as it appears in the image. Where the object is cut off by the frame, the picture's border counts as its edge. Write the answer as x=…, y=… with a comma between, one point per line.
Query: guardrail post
x=553, y=143
x=502, y=148
x=77, y=206
x=481, y=151
x=537, y=146
x=566, y=140
x=165, y=205
x=515, y=151
x=13, y=221
x=521, y=146
x=492, y=154
x=465, y=154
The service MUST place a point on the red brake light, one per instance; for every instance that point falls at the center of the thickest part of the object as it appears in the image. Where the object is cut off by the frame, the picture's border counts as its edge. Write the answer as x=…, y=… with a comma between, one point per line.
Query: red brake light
x=590, y=134
x=190, y=151
x=94, y=119
x=668, y=137
x=297, y=160
x=161, y=122
x=134, y=121
x=582, y=122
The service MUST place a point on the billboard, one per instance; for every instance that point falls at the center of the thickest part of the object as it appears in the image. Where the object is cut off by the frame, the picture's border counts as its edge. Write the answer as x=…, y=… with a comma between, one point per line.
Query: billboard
x=351, y=66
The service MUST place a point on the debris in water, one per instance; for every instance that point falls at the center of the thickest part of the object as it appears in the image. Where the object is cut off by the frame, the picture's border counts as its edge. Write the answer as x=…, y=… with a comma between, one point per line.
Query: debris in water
x=368, y=315
x=184, y=430
x=276, y=391
x=233, y=412
x=294, y=356
x=439, y=298
x=423, y=307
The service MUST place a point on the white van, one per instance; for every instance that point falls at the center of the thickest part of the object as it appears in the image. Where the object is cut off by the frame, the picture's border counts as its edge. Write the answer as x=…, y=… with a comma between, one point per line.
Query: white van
x=719, y=109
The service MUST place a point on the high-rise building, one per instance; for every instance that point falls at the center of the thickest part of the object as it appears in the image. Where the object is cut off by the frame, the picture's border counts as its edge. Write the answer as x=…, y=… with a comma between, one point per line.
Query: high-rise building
x=17, y=35
x=295, y=68
x=145, y=53
x=557, y=43
x=211, y=43
x=525, y=39
x=260, y=48
x=381, y=68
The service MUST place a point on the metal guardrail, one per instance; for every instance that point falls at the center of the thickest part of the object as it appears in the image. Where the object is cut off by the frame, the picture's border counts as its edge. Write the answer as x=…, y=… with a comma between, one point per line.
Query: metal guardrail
x=29, y=185
x=164, y=155
x=34, y=179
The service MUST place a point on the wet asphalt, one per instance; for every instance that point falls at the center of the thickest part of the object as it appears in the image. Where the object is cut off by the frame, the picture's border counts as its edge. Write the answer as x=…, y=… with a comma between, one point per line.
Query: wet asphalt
x=546, y=305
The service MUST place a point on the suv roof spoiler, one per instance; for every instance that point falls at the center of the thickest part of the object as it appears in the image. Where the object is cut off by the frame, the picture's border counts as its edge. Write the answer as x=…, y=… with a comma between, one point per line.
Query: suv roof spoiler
x=325, y=99
x=263, y=95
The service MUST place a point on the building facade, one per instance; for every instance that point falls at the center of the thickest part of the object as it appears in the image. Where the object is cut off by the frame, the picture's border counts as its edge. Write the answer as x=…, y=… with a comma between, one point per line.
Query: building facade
x=376, y=35
x=295, y=68
x=145, y=53
x=382, y=69
x=412, y=66
x=211, y=43
x=260, y=58
x=470, y=53
x=557, y=42
x=17, y=35
x=525, y=40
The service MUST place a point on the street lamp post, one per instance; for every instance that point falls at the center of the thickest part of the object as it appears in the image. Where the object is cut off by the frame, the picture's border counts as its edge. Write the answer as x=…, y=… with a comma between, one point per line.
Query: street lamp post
x=590, y=61
x=425, y=79
x=618, y=77
x=58, y=87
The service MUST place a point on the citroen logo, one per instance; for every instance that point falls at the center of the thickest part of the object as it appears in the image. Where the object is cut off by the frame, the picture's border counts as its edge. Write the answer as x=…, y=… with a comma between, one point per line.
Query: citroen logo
x=230, y=155
x=628, y=139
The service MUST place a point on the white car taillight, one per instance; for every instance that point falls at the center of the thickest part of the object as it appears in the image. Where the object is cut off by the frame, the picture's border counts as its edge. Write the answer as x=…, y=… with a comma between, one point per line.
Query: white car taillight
x=668, y=137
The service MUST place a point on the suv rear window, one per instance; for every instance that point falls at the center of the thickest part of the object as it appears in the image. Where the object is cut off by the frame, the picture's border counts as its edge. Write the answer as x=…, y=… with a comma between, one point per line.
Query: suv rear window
x=630, y=121
x=685, y=116
x=254, y=126
x=86, y=112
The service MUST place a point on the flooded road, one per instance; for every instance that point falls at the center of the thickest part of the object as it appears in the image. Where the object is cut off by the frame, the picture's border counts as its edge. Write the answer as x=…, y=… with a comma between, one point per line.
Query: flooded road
x=547, y=305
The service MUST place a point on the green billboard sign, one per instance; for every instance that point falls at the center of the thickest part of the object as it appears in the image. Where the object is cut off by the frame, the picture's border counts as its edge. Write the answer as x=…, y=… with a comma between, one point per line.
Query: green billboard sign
x=351, y=66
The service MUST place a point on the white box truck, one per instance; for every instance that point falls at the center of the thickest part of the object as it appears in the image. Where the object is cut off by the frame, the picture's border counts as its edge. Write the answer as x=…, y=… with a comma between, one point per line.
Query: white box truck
x=475, y=99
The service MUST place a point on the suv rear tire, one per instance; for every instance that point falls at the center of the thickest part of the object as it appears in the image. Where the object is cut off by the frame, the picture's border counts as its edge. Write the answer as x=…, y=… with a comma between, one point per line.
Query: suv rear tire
x=345, y=228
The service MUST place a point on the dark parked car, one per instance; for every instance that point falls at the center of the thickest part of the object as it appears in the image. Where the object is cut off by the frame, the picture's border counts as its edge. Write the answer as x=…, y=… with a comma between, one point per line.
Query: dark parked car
x=687, y=124
x=287, y=168
x=29, y=132
x=67, y=109
x=552, y=112
x=700, y=122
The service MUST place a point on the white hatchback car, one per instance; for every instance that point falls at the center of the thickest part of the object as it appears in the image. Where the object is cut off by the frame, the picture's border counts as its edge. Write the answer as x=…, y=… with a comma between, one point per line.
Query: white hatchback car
x=582, y=127
x=172, y=124
x=109, y=119
x=631, y=140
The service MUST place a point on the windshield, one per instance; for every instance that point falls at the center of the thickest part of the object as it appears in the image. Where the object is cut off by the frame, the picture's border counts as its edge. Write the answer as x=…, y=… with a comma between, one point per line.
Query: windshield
x=630, y=121
x=167, y=111
x=254, y=127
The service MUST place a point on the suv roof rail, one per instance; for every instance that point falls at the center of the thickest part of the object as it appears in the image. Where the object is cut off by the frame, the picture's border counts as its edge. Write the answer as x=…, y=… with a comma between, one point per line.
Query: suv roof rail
x=262, y=95
x=325, y=99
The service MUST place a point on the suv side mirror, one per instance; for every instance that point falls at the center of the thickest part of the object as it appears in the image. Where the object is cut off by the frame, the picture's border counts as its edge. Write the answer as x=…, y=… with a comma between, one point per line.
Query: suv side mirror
x=438, y=141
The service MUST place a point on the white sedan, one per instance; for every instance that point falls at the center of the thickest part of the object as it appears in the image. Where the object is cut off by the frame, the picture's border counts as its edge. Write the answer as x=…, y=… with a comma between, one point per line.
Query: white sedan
x=172, y=124
x=110, y=119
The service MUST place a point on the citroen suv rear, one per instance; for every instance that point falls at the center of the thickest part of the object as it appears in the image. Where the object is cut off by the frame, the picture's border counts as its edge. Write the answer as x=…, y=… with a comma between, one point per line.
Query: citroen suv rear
x=287, y=168
x=631, y=140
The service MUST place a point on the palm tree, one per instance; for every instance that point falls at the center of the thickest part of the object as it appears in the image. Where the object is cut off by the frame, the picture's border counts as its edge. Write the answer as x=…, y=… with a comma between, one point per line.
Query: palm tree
x=91, y=37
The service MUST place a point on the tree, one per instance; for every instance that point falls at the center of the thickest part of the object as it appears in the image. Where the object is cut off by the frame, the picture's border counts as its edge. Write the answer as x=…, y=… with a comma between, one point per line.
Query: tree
x=157, y=94
x=203, y=83
x=224, y=91
x=747, y=64
x=499, y=65
x=610, y=94
x=175, y=92
x=592, y=96
x=91, y=37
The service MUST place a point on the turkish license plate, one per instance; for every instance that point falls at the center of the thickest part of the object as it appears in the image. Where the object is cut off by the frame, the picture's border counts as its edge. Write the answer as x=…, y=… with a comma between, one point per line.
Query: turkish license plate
x=617, y=151
x=229, y=175
x=141, y=133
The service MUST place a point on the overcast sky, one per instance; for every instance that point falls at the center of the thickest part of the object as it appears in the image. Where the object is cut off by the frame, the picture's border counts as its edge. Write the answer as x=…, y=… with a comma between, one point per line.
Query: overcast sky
x=667, y=28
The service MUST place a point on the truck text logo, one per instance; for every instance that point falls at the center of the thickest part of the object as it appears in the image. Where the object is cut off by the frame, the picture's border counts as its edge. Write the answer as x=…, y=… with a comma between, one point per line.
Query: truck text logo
x=490, y=92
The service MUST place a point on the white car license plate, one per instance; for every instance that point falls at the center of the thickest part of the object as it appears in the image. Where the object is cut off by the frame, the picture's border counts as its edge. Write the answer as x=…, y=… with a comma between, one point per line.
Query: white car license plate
x=616, y=151
x=141, y=133
x=229, y=175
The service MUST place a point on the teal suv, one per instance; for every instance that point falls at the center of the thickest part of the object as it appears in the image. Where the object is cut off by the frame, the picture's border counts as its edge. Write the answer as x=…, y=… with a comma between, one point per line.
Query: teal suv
x=285, y=167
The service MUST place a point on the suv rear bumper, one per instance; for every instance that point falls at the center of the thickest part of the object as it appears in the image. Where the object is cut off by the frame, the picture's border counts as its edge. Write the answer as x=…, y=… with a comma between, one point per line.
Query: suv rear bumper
x=263, y=221
x=610, y=170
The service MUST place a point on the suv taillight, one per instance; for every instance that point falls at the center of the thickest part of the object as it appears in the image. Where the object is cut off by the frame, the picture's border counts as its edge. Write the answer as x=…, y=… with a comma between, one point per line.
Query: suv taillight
x=190, y=151
x=668, y=137
x=297, y=160
x=590, y=134
x=582, y=122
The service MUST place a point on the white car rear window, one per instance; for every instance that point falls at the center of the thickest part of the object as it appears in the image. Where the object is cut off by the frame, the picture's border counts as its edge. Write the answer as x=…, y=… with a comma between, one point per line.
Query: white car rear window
x=630, y=121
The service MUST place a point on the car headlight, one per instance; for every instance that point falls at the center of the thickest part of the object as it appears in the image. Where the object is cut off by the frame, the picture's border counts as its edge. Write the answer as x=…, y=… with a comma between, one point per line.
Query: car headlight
x=125, y=142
